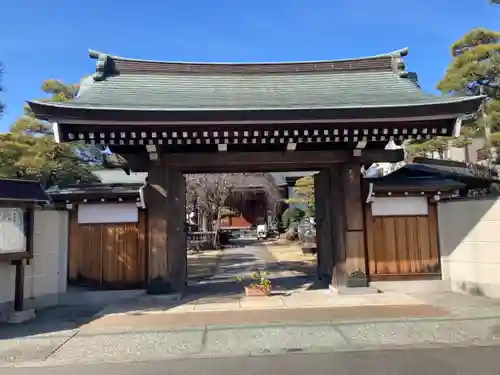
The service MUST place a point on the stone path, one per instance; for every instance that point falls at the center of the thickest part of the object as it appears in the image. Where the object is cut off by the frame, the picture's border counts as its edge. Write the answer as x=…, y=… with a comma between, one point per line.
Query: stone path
x=280, y=301
x=156, y=319
x=216, y=321
x=444, y=319
x=243, y=258
x=204, y=264
x=104, y=346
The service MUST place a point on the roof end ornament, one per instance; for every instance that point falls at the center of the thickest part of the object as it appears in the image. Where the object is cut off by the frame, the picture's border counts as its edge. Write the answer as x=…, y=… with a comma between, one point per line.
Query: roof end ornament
x=403, y=52
x=104, y=65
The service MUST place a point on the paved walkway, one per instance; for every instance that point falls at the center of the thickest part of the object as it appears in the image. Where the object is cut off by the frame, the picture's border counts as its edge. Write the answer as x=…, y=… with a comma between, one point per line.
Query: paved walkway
x=244, y=257
x=203, y=265
x=442, y=361
x=102, y=345
x=445, y=319
x=218, y=322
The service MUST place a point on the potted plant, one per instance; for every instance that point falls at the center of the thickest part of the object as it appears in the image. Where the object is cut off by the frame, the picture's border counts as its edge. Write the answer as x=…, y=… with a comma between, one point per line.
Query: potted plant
x=356, y=279
x=257, y=284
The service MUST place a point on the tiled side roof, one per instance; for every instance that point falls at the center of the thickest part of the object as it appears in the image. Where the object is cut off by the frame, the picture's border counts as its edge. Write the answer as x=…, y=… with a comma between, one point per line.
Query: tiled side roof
x=22, y=191
x=95, y=191
x=118, y=176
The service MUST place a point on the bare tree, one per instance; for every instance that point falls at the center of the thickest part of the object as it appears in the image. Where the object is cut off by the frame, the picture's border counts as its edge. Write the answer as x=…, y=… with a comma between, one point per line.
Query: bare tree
x=212, y=192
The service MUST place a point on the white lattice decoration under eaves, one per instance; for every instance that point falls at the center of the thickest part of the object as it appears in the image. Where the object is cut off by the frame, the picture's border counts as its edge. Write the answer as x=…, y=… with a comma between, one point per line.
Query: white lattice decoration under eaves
x=12, y=238
x=275, y=136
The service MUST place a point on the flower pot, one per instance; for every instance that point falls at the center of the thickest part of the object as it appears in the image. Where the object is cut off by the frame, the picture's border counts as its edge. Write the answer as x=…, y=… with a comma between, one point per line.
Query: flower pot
x=257, y=291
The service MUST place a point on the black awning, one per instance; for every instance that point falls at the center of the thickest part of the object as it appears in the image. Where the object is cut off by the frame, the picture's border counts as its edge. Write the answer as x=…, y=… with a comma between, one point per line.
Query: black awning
x=454, y=169
x=22, y=191
x=411, y=184
x=95, y=191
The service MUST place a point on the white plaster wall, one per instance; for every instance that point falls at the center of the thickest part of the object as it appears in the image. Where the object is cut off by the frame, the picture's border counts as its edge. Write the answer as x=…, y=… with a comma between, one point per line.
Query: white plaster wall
x=45, y=276
x=469, y=239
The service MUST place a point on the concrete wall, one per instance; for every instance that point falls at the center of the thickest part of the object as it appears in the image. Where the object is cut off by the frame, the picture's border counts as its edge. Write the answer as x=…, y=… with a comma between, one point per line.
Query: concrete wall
x=469, y=239
x=45, y=277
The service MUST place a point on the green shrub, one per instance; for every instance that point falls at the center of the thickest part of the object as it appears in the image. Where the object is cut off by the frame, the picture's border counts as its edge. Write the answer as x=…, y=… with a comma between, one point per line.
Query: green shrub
x=292, y=215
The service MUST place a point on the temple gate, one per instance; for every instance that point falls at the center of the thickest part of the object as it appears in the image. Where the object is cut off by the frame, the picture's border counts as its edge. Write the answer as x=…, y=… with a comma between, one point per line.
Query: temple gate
x=171, y=118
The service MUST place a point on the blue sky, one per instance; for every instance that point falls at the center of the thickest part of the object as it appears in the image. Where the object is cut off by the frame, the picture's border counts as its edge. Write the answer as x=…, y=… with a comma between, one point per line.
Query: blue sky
x=50, y=39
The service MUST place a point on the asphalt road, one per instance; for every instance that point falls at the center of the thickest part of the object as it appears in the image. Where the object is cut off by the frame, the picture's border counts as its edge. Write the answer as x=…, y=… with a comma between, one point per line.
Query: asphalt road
x=470, y=360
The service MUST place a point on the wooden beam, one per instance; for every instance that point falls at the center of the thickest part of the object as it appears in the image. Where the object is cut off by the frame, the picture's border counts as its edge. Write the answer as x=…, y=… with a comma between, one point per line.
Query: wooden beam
x=274, y=161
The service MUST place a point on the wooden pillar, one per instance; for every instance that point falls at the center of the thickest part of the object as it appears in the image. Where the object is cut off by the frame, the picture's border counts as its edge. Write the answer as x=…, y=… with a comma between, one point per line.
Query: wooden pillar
x=165, y=202
x=29, y=235
x=155, y=195
x=354, y=262
x=19, y=285
x=324, y=226
x=176, y=229
x=337, y=209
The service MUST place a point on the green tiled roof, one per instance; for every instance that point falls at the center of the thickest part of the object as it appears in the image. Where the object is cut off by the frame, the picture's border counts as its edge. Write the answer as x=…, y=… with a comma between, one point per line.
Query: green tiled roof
x=147, y=85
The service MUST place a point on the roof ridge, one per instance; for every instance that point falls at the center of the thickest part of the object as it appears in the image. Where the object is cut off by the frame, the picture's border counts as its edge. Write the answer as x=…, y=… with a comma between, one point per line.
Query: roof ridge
x=108, y=65
x=93, y=54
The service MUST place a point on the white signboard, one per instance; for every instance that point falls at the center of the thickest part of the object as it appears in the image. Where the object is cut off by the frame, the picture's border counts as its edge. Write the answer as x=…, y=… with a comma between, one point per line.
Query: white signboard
x=12, y=239
x=90, y=213
x=400, y=206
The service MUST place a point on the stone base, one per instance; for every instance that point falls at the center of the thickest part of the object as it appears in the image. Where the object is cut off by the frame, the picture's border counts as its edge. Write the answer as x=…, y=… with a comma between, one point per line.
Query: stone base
x=159, y=287
x=17, y=317
x=333, y=289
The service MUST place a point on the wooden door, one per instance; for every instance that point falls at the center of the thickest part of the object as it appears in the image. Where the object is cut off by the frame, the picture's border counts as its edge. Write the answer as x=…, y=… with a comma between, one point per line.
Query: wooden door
x=108, y=256
x=401, y=247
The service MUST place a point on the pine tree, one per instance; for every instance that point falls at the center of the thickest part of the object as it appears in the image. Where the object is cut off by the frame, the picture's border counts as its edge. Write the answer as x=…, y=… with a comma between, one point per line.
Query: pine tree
x=303, y=194
x=473, y=70
x=29, y=150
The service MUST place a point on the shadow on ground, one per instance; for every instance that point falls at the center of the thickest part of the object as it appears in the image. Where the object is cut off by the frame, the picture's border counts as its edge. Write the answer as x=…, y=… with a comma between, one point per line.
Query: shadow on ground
x=52, y=321
x=203, y=284
x=220, y=287
x=300, y=274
